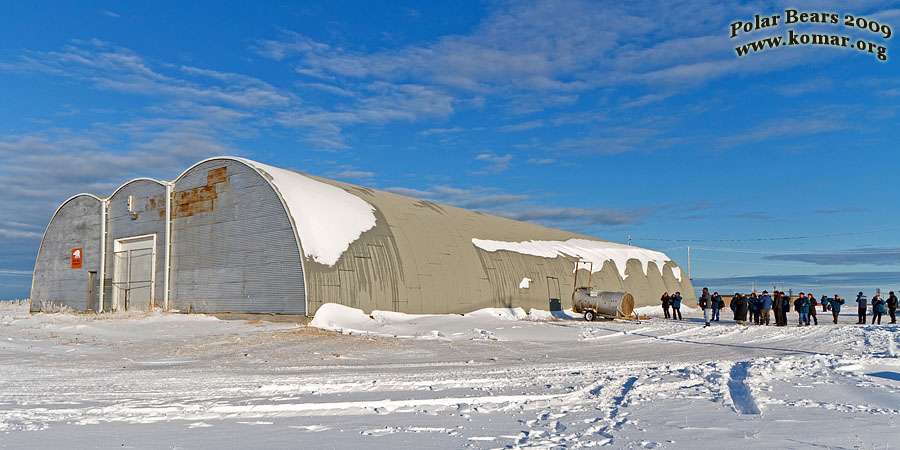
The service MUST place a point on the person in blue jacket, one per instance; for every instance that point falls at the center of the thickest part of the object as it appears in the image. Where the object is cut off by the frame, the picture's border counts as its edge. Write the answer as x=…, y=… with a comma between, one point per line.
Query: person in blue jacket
x=862, y=303
x=802, y=307
x=877, y=309
x=765, y=304
x=717, y=303
x=753, y=307
x=676, y=306
x=836, y=303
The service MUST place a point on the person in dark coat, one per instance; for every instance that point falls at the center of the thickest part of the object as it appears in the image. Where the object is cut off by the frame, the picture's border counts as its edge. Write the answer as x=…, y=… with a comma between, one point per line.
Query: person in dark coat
x=776, y=307
x=785, y=308
x=705, y=303
x=877, y=309
x=892, y=305
x=665, y=304
x=861, y=307
x=836, y=303
x=739, y=306
x=825, y=303
x=676, y=305
x=812, y=309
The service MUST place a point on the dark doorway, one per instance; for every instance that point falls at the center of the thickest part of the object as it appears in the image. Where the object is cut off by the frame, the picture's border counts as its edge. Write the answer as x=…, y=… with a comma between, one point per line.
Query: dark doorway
x=553, y=293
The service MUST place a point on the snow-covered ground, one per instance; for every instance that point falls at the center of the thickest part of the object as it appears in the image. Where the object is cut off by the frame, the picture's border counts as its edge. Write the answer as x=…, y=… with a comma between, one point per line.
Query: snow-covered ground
x=491, y=379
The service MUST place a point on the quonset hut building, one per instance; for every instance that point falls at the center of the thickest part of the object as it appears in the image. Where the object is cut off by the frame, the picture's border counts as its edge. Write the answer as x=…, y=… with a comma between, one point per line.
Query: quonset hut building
x=232, y=235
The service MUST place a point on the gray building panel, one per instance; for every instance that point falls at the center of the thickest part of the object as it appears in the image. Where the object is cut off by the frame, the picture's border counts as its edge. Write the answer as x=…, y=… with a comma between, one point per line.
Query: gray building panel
x=147, y=217
x=75, y=225
x=234, y=248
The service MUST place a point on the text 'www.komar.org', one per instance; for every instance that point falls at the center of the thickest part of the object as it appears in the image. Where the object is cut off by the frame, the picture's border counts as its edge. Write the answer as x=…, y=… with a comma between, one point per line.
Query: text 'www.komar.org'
x=794, y=38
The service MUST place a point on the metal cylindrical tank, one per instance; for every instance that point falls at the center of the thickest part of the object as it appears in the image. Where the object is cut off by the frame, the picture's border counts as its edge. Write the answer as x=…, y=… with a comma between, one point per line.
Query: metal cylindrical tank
x=603, y=302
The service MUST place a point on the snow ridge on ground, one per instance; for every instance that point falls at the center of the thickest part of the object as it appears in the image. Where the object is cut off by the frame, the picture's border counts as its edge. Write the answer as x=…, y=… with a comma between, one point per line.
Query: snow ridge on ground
x=510, y=379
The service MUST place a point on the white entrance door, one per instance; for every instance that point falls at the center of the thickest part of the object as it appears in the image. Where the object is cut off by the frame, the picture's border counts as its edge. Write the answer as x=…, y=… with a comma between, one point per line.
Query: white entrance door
x=133, y=262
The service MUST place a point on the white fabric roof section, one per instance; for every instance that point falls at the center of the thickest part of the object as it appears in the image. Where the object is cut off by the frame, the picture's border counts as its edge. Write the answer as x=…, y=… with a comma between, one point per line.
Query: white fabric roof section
x=328, y=218
x=594, y=251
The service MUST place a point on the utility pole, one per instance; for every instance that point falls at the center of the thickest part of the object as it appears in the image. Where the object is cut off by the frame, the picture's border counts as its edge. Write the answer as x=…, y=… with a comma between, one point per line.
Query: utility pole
x=689, y=263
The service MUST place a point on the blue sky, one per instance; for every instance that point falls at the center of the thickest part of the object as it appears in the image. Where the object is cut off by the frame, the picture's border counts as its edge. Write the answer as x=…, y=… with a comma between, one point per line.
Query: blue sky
x=598, y=118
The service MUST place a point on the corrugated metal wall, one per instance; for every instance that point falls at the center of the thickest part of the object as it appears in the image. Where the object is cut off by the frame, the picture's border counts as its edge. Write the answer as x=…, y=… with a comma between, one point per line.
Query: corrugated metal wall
x=234, y=250
x=149, y=217
x=233, y=246
x=419, y=258
x=75, y=225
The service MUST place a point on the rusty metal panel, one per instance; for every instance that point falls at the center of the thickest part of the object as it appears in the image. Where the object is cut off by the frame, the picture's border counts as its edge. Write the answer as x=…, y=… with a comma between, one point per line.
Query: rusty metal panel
x=75, y=225
x=233, y=246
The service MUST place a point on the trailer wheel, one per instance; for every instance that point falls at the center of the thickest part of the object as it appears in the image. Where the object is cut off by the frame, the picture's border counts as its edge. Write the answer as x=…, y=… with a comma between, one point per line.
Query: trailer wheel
x=589, y=316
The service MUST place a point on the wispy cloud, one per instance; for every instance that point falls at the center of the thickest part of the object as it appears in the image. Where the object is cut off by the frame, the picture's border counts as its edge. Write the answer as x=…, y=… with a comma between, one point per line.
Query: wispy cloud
x=431, y=131
x=756, y=215
x=849, y=209
x=16, y=273
x=351, y=173
x=786, y=126
x=581, y=216
x=873, y=256
x=522, y=207
x=495, y=163
x=522, y=126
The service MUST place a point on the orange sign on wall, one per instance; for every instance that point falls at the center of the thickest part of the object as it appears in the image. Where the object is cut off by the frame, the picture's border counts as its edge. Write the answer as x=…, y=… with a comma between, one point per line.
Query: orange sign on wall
x=76, y=258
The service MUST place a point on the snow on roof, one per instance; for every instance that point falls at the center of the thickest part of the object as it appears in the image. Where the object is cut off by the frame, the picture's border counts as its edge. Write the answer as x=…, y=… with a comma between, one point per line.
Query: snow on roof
x=328, y=218
x=594, y=251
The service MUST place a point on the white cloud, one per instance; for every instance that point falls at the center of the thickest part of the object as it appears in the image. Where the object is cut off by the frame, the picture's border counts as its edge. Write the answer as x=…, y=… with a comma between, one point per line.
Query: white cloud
x=495, y=163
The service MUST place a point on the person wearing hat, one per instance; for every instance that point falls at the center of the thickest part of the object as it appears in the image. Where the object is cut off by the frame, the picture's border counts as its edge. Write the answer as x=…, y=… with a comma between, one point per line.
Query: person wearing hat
x=862, y=302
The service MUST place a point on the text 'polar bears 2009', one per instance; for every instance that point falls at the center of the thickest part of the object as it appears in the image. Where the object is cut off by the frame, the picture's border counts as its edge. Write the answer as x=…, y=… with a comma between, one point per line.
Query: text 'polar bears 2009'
x=328, y=218
x=594, y=251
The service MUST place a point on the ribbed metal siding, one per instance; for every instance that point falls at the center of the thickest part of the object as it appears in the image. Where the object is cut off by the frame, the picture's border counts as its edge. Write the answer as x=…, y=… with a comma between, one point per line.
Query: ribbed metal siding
x=76, y=225
x=236, y=252
x=150, y=207
x=419, y=258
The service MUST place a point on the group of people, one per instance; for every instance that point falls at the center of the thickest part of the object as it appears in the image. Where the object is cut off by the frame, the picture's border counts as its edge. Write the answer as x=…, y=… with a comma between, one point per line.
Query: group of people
x=765, y=308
